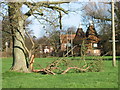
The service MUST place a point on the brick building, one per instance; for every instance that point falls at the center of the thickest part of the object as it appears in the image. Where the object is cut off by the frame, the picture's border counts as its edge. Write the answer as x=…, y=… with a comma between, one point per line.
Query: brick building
x=90, y=37
x=66, y=41
x=93, y=40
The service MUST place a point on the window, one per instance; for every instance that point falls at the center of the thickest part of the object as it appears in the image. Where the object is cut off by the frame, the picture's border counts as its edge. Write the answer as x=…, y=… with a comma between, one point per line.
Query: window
x=95, y=45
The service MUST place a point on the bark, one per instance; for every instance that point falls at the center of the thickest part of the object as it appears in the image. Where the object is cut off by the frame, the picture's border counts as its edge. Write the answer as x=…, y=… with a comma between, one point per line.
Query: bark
x=17, y=21
x=17, y=28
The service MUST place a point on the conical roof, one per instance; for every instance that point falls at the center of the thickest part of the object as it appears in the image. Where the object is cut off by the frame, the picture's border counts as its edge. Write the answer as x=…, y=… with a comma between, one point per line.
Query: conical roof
x=80, y=35
x=92, y=35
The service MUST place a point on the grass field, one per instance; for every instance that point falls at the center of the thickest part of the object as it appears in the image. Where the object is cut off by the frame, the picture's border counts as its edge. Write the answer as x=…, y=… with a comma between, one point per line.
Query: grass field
x=108, y=78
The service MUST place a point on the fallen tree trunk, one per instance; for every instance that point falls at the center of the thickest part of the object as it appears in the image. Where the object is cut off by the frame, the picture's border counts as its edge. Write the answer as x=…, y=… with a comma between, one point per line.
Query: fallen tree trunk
x=49, y=70
x=55, y=65
x=77, y=68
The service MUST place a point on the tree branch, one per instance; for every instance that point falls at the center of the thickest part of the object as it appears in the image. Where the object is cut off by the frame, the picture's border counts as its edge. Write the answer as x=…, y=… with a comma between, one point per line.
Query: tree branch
x=55, y=8
x=34, y=6
x=46, y=2
x=107, y=19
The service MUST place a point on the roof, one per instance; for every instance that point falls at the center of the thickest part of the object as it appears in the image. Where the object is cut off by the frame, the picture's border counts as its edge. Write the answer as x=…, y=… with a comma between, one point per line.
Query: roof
x=66, y=37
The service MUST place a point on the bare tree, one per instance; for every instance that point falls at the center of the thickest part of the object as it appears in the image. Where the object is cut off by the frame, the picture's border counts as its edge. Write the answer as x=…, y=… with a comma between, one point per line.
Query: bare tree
x=100, y=13
x=17, y=21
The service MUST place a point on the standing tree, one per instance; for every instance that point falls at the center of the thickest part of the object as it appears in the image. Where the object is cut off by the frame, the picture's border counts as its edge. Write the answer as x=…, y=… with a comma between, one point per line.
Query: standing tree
x=101, y=13
x=17, y=21
x=5, y=33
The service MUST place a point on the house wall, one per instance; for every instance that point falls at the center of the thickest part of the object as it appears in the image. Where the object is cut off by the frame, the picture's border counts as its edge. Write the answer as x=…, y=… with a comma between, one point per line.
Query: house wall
x=64, y=39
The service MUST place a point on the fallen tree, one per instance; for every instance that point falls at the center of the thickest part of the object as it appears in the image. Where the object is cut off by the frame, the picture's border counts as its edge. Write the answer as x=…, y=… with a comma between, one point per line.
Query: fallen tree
x=94, y=65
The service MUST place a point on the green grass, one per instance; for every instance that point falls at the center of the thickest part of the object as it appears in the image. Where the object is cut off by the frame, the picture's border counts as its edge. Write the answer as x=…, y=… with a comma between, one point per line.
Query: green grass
x=108, y=78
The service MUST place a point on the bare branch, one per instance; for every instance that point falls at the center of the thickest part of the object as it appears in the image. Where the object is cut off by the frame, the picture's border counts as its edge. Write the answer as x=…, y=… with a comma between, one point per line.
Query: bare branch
x=60, y=18
x=106, y=19
x=33, y=7
x=55, y=8
x=33, y=44
x=46, y=2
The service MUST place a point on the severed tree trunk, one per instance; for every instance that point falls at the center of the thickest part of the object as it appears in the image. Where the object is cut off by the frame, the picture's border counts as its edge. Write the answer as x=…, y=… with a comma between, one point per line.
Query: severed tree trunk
x=17, y=29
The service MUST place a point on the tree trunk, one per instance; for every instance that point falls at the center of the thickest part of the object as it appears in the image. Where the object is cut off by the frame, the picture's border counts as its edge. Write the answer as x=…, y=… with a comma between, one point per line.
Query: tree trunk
x=17, y=28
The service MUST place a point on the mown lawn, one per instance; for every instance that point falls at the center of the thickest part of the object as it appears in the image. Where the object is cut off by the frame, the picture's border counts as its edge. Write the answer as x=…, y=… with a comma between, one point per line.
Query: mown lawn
x=108, y=78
